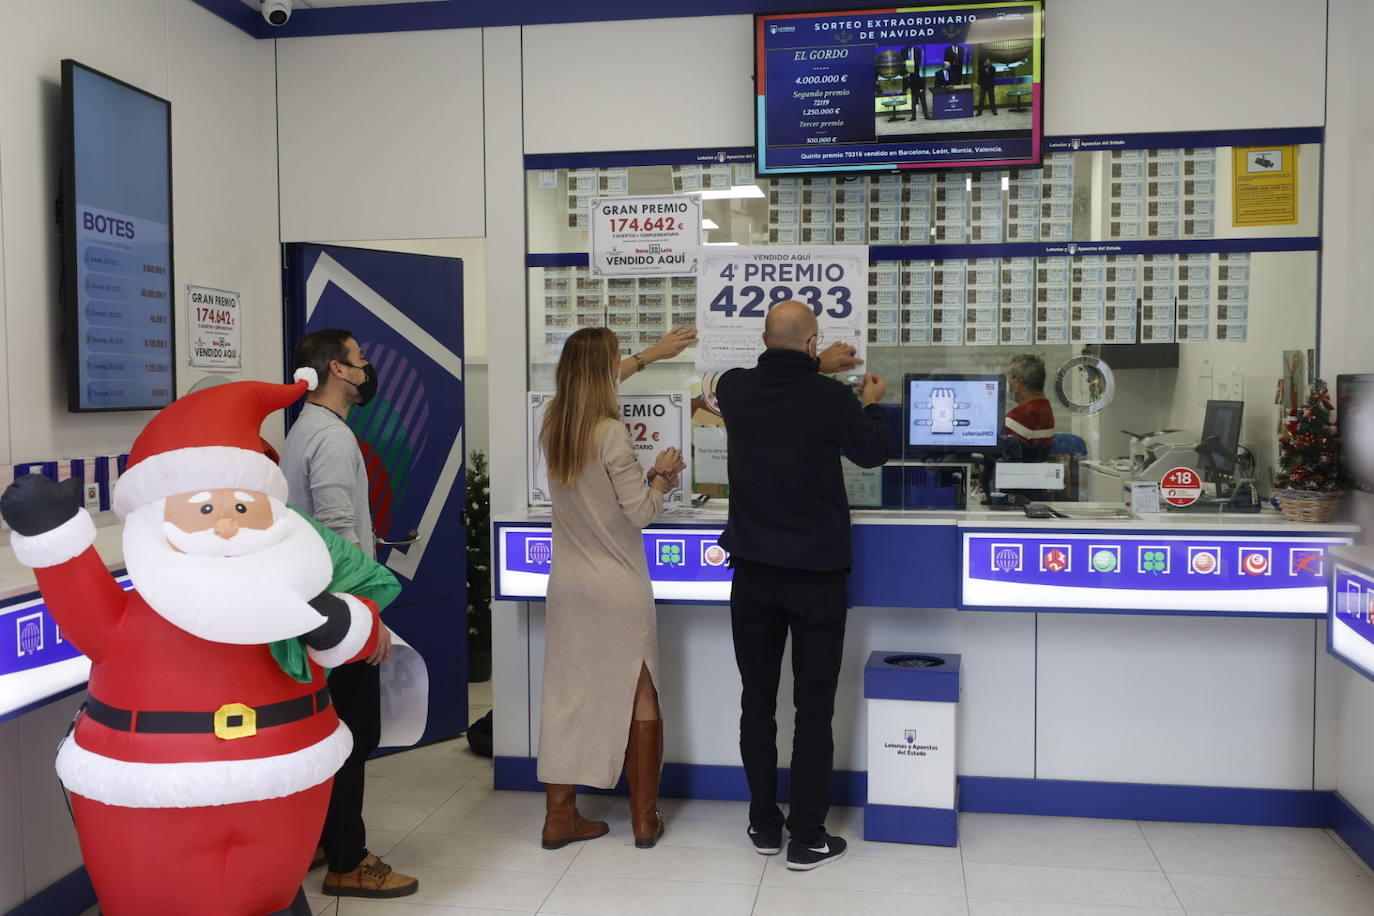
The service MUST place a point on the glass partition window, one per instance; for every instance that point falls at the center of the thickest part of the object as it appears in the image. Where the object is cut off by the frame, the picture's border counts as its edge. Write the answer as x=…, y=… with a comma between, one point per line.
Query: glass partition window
x=1175, y=326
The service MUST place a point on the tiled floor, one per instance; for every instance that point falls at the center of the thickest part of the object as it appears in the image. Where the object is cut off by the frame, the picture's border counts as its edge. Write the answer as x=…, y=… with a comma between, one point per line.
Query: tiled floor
x=432, y=813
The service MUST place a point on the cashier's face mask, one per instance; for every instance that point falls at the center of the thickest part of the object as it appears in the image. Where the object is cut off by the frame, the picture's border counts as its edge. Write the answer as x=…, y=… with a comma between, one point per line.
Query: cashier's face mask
x=367, y=390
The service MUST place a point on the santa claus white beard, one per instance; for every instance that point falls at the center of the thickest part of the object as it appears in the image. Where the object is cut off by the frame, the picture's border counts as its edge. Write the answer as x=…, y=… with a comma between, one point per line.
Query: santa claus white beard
x=245, y=599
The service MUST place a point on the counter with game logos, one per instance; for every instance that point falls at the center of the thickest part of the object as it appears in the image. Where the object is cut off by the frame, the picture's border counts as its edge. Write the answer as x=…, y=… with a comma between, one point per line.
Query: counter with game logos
x=1140, y=667
x=1097, y=560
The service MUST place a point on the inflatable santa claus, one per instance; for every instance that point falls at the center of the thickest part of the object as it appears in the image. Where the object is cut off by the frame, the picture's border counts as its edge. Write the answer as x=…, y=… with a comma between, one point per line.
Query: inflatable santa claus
x=199, y=768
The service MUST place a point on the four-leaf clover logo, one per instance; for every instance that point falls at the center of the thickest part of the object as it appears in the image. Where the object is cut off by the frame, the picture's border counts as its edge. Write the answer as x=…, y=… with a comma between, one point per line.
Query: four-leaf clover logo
x=1154, y=561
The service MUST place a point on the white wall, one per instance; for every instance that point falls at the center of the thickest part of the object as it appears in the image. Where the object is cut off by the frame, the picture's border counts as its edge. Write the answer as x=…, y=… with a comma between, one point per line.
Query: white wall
x=1118, y=66
x=1112, y=66
x=1347, y=329
x=381, y=136
x=639, y=84
x=221, y=86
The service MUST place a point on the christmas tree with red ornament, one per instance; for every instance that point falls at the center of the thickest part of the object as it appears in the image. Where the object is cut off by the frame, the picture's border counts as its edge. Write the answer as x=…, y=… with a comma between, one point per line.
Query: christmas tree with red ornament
x=1310, y=446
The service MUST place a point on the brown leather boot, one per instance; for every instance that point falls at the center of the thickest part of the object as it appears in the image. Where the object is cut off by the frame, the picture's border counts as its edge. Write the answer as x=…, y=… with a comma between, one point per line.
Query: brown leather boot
x=643, y=763
x=562, y=822
x=372, y=878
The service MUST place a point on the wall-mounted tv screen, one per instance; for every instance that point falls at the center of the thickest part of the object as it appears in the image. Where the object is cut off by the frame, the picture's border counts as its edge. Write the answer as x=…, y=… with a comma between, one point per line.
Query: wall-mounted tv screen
x=949, y=85
x=116, y=243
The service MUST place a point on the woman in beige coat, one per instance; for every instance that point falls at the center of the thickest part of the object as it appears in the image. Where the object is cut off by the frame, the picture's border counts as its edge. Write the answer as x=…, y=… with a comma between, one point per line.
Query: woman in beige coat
x=600, y=707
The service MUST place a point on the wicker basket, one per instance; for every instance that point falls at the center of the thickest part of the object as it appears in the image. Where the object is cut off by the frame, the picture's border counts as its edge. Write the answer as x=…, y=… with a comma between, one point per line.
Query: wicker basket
x=1309, y=505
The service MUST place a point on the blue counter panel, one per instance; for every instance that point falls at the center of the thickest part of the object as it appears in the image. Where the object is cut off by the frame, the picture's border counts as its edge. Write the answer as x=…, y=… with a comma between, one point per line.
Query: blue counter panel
x=905, y=566
x=686, y=565
x=1350, y=630
x=894, y=565
x=1105, y=571
x=36, y=661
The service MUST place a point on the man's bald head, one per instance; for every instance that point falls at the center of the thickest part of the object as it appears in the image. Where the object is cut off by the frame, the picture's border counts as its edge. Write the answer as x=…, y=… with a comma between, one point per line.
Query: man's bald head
x=789, y=326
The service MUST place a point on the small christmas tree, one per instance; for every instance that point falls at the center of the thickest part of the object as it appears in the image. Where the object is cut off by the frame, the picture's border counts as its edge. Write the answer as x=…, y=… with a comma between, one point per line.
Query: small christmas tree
x=1310, y=446
x=477, y=518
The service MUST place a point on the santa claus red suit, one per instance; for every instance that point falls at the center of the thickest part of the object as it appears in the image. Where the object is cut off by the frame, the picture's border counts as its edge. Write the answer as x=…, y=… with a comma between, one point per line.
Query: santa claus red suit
x=199, y=768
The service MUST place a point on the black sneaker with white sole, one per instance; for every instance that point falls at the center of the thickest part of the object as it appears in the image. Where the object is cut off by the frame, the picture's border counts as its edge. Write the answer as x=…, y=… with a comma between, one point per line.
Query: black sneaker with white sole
x=801, y=857
x=767, y=840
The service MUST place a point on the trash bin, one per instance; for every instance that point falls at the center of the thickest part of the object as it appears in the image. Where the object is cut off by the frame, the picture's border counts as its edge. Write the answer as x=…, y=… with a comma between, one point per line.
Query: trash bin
x=912, y=700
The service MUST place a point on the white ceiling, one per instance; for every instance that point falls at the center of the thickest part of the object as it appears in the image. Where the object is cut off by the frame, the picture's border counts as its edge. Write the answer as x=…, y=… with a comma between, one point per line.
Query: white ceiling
x=323, y=4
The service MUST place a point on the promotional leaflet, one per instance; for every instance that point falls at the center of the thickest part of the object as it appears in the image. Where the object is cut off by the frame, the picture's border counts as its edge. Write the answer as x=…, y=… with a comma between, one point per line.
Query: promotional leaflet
x=737, y=286
x=633, y=236
x=215, y=330
x=654, y=422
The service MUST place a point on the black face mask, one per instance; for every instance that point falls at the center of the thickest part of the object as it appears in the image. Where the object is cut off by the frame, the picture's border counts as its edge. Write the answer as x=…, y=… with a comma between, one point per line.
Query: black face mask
x=368, y=389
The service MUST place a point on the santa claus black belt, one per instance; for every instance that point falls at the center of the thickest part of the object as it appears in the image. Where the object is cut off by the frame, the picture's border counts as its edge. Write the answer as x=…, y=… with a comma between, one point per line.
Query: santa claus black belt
x=232, y=720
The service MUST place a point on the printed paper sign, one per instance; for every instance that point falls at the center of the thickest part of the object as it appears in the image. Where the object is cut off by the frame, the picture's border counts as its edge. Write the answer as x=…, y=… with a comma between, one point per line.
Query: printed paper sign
x=654, y=422
x=215, y=329
x=736, y=287
x=1264, y=182
x=639, y=236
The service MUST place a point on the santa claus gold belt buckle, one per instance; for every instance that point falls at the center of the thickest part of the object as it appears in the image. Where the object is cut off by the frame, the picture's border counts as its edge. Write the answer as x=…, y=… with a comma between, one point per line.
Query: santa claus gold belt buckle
x=235, y=720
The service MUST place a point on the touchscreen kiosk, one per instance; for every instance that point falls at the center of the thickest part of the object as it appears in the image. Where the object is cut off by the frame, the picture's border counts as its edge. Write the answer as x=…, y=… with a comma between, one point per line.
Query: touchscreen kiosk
x=949, y=414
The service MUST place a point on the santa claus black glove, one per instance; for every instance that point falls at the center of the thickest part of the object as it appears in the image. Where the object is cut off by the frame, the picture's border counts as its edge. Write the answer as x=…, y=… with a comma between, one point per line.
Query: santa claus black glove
x=330, y=633
x=33, y=504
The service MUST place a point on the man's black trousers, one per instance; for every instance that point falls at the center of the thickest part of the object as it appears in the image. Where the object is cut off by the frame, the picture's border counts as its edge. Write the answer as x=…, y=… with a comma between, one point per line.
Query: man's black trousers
x=355, y=689
x=766, y=603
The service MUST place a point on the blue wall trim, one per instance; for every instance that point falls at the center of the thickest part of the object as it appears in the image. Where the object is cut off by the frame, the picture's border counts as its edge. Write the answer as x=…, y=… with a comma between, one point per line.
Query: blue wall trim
x=1353, y=827
x=1052, y=797
x=687, y=780
x=609, y=159
x=1062, y=249
x=1146, y=802
x=567, y=259
x=1022, y=250
x=1189, y=138
x=901, y=824
x=70, y=894
x=464, y=14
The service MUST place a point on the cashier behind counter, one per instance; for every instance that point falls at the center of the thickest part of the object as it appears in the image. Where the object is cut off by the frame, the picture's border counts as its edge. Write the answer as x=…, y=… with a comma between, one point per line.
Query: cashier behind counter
x=1032, y=419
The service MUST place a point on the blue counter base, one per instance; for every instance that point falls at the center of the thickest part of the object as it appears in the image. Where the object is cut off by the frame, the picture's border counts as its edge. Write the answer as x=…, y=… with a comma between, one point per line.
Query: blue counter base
x=1353, y=827
x=902, y=824
x=1145, y=801
x=70, y=894
x=1053, y=797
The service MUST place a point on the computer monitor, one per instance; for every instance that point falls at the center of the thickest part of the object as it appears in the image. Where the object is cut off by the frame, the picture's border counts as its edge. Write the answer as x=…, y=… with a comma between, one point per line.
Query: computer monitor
x=949, y=413
x=1354, y=414
x=1220, y=437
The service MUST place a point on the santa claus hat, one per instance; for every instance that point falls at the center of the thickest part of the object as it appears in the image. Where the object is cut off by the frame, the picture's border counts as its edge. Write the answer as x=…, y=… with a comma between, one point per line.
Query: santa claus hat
x=208, y=440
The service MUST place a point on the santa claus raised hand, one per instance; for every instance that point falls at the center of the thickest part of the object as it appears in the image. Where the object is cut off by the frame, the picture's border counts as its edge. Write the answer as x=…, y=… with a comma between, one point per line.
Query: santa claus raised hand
x=200, y=765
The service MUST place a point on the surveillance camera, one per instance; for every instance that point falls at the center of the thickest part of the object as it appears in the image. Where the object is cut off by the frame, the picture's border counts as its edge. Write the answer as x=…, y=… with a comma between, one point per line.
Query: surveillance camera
x=276, y=12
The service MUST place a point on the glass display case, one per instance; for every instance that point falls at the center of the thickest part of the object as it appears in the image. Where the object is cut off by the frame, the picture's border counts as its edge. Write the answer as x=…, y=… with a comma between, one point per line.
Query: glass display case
x=1121, y=271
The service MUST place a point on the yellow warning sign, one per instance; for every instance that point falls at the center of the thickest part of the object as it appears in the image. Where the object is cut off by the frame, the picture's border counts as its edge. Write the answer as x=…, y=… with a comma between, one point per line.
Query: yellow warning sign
x=1264, y=185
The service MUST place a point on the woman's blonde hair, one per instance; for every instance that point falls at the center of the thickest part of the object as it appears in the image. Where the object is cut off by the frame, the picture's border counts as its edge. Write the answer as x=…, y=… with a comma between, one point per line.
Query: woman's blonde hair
x=585, y=396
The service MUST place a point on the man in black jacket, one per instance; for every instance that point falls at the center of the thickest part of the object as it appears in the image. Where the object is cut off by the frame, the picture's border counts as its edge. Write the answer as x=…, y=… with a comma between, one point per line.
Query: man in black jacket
x=788, y=536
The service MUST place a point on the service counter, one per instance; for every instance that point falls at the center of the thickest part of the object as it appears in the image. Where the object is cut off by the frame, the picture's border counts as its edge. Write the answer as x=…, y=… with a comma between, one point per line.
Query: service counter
x=1158, y=667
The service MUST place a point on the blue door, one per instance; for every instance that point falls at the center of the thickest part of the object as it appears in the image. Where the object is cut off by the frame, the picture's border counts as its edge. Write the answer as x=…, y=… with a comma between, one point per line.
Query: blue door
x=406, y=312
